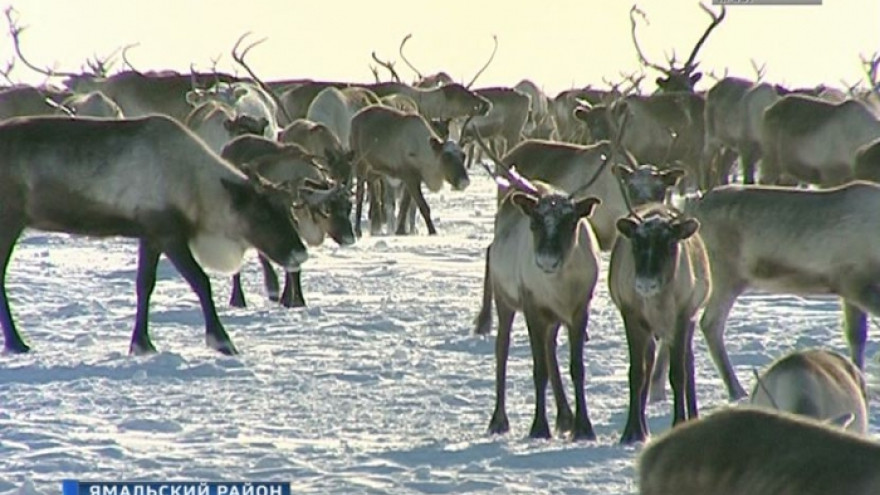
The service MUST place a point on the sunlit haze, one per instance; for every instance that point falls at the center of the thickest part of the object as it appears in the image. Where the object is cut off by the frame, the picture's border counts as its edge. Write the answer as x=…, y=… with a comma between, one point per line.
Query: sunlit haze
x=556, y=43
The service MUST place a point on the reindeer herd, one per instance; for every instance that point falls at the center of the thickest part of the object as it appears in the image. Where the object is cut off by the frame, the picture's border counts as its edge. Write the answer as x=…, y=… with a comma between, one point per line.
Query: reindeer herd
x=201, y=167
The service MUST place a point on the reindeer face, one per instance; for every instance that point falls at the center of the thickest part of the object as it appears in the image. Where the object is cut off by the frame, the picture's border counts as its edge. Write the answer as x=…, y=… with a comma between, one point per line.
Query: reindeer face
x=654, y=242
x=647, y=183
x=553, y=219
x=267, y=222
x=596, y=119
x=464, y=102
x=452, y=162
x=329, y=205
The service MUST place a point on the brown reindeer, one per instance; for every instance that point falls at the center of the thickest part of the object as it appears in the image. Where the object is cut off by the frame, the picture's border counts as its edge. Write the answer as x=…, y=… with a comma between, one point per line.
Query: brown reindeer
x=659, y=277
x=75, y=175
x=739, y=451
x=403, y=146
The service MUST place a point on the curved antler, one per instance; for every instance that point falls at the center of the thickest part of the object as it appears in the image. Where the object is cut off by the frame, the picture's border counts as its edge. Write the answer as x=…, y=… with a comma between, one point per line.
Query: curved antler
x=642, y=59
x=405, y=60
x=389, y=66
x=716, y=20
x=486, y=65
x=239, y=57
x=15, y=31
x=125, y=61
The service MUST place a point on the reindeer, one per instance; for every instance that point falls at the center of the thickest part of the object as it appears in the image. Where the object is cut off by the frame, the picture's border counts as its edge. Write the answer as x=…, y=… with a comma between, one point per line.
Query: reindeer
x=816, y=382
x=814, y=141
x=733, y=119
x=544, y=262
x=404, y=147
x=790, y=241
x=216, y=124
x=659, y=277
x=449, y=101
x=75, y=176
x=320, y=205
x=502, y=125
x=562, y=108
x=759, y=452
x=295, y=100
x=539, y=124
x=319, y=140
x=664, y=128
x=335, y=107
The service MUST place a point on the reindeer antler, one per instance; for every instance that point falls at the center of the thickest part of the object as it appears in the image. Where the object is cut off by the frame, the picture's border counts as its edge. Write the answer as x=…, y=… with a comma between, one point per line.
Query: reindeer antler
x=405, y=60
x=872, y=67
x=642, y=59
x=389, y=66
x=689, y=65
x=486, y=65
x=239, y=57
x=15, y=31
x=760, y=70
x=125, y=62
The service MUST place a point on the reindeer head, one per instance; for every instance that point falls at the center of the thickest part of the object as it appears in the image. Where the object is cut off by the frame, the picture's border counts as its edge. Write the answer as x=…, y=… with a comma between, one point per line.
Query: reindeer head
x=553, y=218
x=451, y=159
x=647, y=183
x=329, y=206
x=654, y=240
x=685, y=77
x=265, y=213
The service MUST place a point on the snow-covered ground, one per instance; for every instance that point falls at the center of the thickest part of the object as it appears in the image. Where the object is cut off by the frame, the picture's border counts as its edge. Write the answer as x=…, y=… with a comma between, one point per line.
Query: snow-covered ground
x=378, y=386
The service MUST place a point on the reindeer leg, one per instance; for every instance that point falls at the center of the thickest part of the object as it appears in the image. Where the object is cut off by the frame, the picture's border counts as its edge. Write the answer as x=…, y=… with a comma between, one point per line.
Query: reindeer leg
x=270, y=279
x=13, y=342
x=691, y=384
x=403, y=214
x=414, y=185
x=292, y=296
x=499, y=422
x=637, y=337
x=712, y=325
x=538, y=330
x=148, y=260
x=178, y=252
x=564, y=418
x=377, y=202
x=358, y=205
x=748, y=157
x=577, y=337
x=657, y=392
x=483, y=321
x=236, y=299
x=678, y=371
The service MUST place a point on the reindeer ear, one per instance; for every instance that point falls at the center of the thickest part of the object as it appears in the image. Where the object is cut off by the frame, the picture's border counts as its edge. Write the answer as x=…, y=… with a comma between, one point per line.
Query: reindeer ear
x=585, y=206
x=627, y=227
x=581, y=113
x=683, y=229
x=695, y=78
x=672, y=176
x=525, y=202
x=238, y=92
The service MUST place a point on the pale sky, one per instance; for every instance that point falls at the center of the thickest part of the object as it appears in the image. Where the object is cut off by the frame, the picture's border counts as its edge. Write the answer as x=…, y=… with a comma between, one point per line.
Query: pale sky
x=556, y=43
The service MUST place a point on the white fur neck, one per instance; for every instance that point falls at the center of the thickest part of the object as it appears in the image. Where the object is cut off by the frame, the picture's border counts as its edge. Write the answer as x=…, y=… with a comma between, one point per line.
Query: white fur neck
x=218, y=252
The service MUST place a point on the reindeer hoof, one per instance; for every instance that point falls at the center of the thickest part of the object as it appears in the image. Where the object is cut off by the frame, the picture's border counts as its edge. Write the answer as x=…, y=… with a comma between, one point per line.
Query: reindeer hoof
x=17, y=347
x=583, y=433
x=632, y=437
x=141, y=348
x=222, y=344
x=499, y=424
x=564, y=421
x=540, y=430
x=237, y=303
